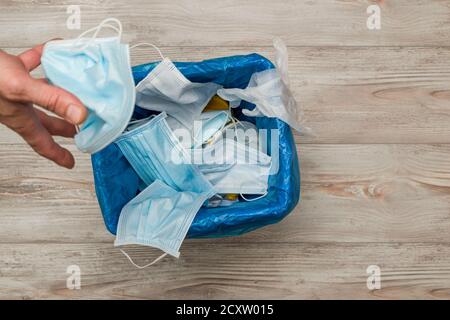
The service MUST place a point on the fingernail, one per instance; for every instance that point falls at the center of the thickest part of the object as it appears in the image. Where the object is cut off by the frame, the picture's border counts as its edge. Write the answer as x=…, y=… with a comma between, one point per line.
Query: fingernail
x=54, y=39
x=74, y=114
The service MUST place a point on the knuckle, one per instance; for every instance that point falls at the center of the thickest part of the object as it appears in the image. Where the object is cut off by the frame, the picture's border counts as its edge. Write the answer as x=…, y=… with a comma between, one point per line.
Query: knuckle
x=25, y=129
x=14, y=88
x=20, y=128
x=10, y=112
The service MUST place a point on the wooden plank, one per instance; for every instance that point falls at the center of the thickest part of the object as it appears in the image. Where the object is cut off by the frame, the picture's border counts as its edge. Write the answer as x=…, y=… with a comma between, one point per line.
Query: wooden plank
x=352, y=95
x=228, y=271
x=207, y=23
x=375, y=176
x=350, y=193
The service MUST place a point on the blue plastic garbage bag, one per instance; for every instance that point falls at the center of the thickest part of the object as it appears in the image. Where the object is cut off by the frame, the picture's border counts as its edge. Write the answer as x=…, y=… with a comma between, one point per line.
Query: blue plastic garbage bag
x=116, y=183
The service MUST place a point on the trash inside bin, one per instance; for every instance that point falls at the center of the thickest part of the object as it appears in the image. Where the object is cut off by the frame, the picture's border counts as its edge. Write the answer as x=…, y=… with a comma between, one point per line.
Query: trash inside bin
x=116, y=183
x=148, y=126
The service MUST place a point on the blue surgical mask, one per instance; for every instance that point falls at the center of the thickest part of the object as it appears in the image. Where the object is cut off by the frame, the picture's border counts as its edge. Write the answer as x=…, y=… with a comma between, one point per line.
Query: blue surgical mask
x=166, y=89
x=233, y=167
x=156, y=154
x=98, y=72
x=160, y=217
x=208, y=125
x=211, y=124
x=161, y=214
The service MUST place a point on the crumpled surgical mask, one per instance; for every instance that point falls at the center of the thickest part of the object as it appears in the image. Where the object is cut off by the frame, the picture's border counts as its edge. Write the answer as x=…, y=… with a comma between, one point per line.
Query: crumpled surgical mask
x=269, y=91
x=211, y=124
x=156, y=154
x=206, y=128
x=160, y=217
x=166, y=89
x=162, y=213
x=233, y=167
x=98, y=72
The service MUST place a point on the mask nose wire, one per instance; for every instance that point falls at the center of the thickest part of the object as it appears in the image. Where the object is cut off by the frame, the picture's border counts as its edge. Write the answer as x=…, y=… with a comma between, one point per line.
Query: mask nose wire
x=144, y=266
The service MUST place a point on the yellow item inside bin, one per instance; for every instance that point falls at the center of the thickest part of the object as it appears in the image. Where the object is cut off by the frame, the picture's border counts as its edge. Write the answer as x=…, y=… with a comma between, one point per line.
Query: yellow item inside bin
x=231, y=196
x=216, y=103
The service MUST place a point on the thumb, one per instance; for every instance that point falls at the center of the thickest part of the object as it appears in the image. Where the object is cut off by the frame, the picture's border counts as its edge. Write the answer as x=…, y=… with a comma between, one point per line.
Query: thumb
x=56, y=100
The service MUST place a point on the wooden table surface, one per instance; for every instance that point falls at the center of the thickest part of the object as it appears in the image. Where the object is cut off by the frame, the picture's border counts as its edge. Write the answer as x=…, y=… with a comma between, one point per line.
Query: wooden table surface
x=375, y=175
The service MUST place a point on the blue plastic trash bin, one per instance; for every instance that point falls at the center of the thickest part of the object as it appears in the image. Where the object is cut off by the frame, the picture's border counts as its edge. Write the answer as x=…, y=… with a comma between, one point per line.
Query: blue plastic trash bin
x=116, y=183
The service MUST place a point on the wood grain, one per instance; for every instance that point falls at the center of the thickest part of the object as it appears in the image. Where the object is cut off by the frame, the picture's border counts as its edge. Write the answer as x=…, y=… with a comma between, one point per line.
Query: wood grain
x=375, y=175
x=350, y=193
x=228, y=271
x=233, y=23
x=402, y=99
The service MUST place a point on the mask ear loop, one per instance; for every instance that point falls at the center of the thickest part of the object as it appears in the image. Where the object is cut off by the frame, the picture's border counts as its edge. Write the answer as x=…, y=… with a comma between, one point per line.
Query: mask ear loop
x=140, y=44
x=144, y=266
x=252, y=199
x=103, y=24
x=234, y=120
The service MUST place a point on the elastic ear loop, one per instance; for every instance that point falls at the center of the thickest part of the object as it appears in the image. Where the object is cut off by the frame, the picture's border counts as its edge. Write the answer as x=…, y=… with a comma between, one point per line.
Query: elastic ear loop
x=144, y=266
x=148, y=44
x=103, y=24
x=140, y=44
x=254, y=199
x=233, y=119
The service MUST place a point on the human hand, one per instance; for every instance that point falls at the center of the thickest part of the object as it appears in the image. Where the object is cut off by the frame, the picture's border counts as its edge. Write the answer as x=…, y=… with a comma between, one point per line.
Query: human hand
x=19, y=91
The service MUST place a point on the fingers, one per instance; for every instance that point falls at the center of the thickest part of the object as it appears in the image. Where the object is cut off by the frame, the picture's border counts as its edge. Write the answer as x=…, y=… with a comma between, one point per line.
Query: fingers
x=56, y=126
x=49, y=149
x=42, y=142
x=52, y=98
x=32, y=57
x=24, y=120
x=56, y=100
